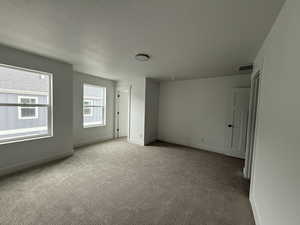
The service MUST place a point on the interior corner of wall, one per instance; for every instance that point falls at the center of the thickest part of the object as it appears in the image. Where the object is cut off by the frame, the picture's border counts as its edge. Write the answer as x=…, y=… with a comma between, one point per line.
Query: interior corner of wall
x=254, y=209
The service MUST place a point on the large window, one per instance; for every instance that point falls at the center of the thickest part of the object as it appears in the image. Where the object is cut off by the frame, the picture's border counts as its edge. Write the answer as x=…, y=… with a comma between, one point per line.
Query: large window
x=25, y=104
x=94, y=104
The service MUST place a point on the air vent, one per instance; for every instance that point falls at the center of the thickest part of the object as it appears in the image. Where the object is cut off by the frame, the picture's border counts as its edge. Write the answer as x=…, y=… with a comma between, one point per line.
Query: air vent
x=246, y=68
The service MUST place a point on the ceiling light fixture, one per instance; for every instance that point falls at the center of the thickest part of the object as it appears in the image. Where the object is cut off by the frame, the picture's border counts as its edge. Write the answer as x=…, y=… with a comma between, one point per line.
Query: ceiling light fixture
x=142, y=57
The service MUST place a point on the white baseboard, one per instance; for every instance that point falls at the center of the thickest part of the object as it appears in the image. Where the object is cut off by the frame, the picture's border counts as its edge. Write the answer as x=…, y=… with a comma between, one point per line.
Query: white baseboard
x=136, y=142
x=26, y=165
x=208, y=148
x=223, y=151
x=254, y=210
x=151, y=140
x=84, y=144
x=211, y=149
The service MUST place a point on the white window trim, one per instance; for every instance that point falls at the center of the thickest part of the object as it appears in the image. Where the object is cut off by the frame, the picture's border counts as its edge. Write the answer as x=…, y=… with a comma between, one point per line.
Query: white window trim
x=22, y=92
x=91, y=108
x=36, y=110
x=95, y=123
x=93, y=97
x=49, y=106
x=22, y=130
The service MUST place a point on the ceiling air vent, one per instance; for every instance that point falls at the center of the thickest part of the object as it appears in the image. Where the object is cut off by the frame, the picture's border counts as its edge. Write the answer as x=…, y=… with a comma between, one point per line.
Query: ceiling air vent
x=246, y=68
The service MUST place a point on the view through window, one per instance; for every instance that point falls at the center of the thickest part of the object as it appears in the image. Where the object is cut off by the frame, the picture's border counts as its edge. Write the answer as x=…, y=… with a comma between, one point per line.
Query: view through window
x=93, y=105
x=25, y=104
x=28, y=112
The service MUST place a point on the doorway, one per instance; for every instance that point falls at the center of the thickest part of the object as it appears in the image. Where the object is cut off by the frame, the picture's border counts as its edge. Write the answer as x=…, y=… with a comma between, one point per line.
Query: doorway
x=122, y=114
x=239, y=120
x=255, y=85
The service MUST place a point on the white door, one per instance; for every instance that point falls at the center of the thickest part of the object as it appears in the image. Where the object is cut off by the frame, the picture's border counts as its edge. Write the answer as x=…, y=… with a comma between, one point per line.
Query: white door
x=239, y=121
x=122, y=114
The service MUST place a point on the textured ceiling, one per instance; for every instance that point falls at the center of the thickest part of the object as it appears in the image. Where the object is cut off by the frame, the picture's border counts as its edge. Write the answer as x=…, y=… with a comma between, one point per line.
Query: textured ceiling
x=186, y=39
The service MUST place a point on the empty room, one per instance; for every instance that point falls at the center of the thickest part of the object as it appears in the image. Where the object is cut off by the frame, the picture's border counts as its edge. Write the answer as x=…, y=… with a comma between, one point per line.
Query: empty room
x=149, y=112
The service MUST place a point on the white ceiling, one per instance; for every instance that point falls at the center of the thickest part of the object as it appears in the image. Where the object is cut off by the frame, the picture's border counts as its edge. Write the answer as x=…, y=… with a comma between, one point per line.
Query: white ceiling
x=186, y=38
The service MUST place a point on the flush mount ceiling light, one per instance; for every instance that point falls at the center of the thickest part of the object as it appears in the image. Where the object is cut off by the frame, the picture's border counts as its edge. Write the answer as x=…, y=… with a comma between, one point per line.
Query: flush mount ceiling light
x=142, y=57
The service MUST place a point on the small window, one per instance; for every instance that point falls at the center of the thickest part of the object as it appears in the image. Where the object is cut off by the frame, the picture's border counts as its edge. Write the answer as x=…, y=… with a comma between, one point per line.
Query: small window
x=25, y=104
x=28, y=112
x=94, y=105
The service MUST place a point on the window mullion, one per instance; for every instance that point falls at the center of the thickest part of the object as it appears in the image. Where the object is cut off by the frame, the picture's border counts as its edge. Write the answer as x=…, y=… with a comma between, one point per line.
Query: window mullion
x=24, y=105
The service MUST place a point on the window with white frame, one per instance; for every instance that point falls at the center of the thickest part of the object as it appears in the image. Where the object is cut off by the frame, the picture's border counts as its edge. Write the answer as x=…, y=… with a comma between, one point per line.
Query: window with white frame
x=25, y=104
x=27, y=112
x=94, y=105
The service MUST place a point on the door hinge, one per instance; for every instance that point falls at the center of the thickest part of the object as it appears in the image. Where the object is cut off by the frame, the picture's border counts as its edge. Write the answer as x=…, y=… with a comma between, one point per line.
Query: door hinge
x=118, y=113
x=118, y=130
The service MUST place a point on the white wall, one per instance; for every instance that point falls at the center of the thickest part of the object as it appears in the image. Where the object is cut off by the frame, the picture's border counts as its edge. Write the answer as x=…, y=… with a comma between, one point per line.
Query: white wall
x=137, y=108
x=19, y=155
x=82, y=135
x=122, y=113
x=151, y=110
x=275, y=187
x=196, y=112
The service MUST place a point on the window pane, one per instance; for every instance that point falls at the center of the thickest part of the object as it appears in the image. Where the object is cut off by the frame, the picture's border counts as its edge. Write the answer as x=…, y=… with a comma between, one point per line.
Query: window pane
x=97, y=117
x=88, y=111
x=18, y=82
x=94, y=96
x=98, y=102
x=88, y=102
x=28, y=112
x=92, y=91
x=12, y=127
x=25, y=101
x=20, y=87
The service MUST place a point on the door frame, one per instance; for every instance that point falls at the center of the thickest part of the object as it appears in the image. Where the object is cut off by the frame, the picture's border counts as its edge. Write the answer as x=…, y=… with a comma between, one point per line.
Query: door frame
x=128, y=90
x=252, y=125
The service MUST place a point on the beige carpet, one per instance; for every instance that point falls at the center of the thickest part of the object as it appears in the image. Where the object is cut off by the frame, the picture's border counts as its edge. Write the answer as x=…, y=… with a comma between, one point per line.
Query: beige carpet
x=118, y=183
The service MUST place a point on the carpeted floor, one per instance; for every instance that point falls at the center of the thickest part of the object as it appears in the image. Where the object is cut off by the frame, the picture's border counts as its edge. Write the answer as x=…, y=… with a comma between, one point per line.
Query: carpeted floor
x=118, y=183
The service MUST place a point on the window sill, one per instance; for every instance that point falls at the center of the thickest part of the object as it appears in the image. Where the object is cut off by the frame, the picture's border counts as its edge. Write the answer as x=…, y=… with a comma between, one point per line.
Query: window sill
x=24, y=139
x=94, y=125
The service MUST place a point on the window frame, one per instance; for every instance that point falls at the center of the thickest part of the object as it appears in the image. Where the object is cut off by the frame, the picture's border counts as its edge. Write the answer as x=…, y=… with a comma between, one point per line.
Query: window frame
x=49, y=106
x=86, y=98
x=36, y=110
